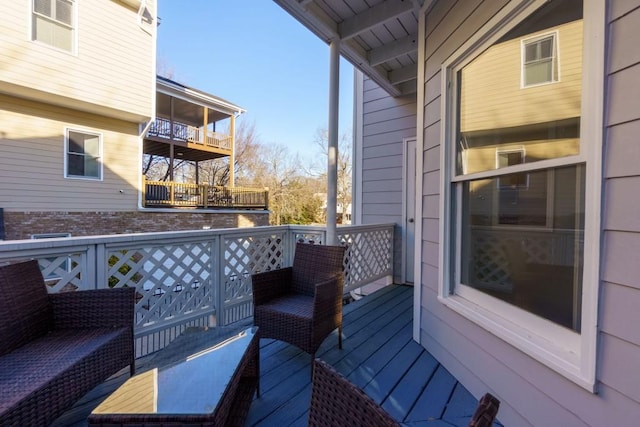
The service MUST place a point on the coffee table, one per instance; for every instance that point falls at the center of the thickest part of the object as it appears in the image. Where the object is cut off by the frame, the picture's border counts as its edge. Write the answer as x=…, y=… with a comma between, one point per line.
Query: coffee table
x=211, y=388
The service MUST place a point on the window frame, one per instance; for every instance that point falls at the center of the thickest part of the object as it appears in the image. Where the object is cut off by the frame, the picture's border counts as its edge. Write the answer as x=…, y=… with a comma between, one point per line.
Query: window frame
x=555, y=58
x=569, y=353
x=98, y=158
x=73, y=27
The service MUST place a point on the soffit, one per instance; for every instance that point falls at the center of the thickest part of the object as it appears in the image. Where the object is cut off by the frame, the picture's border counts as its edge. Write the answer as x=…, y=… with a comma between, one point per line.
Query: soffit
x=379, y=37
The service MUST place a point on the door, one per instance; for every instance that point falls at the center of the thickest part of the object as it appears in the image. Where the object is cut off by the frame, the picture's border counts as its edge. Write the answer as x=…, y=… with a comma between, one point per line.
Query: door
x=409, y=209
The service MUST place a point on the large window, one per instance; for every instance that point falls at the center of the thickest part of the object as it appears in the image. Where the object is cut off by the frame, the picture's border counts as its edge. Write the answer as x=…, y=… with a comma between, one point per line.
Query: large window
x=83, y=155
x=53, y=23
x=520, y=179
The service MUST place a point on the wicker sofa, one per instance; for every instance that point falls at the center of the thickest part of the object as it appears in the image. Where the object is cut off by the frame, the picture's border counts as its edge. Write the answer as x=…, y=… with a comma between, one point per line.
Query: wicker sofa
x=54, y=348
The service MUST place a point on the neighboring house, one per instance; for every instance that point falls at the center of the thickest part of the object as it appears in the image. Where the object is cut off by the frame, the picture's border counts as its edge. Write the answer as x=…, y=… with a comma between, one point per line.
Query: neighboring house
x=494, y=115
x=76, y=99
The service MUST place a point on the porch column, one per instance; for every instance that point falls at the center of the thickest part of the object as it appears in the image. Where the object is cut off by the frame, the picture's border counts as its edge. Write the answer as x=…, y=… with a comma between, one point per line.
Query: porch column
x=232, y=158
x=332, y=161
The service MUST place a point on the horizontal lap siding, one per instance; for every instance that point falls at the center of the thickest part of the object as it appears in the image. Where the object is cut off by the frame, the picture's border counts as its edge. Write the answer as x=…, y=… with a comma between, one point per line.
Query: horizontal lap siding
x=32, y=161
x=387, y=121
x=114, y=65
x=532, y=394
x=620, y=298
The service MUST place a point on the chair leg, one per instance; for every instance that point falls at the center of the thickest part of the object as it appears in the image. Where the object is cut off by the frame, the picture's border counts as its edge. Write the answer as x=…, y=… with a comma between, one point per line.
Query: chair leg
x=340, y=337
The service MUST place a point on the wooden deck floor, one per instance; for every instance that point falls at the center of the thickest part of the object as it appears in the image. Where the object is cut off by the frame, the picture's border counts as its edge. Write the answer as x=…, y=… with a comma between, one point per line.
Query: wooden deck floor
x=378, y=355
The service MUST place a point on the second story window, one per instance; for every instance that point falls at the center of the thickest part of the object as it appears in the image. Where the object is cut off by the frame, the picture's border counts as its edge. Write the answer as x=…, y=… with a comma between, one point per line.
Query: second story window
x=83, y=155
x=539, y=63
x=53, y=23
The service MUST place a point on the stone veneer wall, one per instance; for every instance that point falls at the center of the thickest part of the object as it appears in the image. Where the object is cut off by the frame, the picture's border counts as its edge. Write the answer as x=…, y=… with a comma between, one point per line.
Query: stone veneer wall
x=21, y=225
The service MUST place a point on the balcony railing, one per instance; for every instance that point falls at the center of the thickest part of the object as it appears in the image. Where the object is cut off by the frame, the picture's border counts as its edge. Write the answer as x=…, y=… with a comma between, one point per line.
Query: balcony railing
x=194, y=278
x=177, y=194
x=162, y=128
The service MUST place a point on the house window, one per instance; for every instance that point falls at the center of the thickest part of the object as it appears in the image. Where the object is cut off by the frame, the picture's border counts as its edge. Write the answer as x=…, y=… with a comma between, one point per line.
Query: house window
x=83, y=155
x=522, y=171
x=53, y=23
x=539, y=60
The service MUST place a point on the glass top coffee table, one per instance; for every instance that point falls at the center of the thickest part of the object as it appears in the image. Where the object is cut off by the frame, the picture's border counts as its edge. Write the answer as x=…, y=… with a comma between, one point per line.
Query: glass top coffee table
x=212, y=387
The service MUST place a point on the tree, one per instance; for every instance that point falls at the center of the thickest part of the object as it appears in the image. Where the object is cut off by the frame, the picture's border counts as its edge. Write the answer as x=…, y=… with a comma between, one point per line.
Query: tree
x=247, y=145
x=344, y=168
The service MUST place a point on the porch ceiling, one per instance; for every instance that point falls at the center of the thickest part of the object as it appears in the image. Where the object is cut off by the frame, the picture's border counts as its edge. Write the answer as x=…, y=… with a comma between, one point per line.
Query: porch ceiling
x=379, y=37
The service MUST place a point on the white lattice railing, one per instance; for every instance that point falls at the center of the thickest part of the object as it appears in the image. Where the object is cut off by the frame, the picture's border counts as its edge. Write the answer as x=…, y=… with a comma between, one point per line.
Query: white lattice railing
x=194, y=278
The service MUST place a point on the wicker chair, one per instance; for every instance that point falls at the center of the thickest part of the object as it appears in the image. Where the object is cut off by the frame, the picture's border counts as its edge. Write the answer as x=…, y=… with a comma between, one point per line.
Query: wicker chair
x=302, y=304
x=54, y=348
x=336, y=402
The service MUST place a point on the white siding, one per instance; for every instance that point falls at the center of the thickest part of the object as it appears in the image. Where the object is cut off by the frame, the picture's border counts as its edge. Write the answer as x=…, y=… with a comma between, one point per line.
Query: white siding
x=112, y=73
x=531, y=393
x=386, y=122
x=32, y=160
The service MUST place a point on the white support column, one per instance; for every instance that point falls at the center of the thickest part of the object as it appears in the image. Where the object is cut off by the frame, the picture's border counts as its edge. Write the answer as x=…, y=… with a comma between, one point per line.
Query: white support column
x=332, y=163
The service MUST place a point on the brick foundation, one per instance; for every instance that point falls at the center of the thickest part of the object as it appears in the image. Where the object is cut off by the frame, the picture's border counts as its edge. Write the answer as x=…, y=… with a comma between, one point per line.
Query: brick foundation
x=21, y=225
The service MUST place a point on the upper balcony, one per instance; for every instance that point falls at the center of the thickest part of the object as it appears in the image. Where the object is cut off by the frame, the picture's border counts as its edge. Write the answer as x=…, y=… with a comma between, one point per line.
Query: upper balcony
x=190, y=124
x=191, y=127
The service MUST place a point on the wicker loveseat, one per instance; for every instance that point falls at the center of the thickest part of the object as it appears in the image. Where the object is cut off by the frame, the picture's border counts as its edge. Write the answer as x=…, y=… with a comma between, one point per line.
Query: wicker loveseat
x=54, y=348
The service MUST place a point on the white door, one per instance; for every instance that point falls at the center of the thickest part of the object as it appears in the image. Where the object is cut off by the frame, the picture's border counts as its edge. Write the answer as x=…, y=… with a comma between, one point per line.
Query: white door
x=409, y=209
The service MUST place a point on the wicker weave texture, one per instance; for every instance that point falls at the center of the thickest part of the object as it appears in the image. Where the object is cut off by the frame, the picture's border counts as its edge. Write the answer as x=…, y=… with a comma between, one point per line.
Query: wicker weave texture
x=337, y=402
x=301, y=305
x=48, y=373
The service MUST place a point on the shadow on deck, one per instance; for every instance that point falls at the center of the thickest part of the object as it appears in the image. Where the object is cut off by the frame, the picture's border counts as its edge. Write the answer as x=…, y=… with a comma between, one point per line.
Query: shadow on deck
x=378, y=355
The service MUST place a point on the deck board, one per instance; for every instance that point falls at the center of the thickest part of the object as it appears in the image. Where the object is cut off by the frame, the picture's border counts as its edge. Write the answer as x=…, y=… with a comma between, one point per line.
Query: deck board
x=378, y=355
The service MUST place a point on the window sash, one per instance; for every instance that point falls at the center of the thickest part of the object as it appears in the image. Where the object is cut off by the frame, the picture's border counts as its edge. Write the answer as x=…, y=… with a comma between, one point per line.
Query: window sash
x=53, y=23
x=83, y=155
x=540, y=67
x=568, y=353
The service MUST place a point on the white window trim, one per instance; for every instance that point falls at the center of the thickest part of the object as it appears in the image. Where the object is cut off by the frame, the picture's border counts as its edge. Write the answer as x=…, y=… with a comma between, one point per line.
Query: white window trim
x=570, y=354
x=66, y=153
x=556, y=57
x=74, y=30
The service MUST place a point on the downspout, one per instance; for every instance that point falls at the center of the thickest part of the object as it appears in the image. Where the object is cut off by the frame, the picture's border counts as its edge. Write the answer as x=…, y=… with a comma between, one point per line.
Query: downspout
x=332, y=158
x=144, y=127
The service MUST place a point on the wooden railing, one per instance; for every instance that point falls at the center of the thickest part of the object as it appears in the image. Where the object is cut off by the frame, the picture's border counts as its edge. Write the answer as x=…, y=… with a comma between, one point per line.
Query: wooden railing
x=161, y=128
x=177, y=194
x=194, y=278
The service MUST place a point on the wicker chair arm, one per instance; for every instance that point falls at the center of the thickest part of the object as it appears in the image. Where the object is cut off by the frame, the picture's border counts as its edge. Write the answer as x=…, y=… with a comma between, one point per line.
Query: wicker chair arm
x=328, y=295
x=270, y=284
x=97, y=308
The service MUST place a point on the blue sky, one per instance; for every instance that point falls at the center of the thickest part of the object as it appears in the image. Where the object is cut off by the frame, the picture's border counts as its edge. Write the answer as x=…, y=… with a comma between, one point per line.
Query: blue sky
x=255, y=55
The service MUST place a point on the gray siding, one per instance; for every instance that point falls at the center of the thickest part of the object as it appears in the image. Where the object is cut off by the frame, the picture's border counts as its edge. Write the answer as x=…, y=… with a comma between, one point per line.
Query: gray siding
x=531, y=393
x=386, y=122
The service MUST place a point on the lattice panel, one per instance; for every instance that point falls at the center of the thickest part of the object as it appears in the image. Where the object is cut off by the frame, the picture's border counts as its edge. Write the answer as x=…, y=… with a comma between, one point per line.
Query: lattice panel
x=247, y=255
x=490, y=268
x=62, y=273
x=368, y=256
x=172, y=281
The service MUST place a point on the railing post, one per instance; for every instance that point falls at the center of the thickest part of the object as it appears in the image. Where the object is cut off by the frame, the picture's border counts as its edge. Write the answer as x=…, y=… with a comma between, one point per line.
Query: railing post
x=144, y=191
x=220, y=278
x=100, y=264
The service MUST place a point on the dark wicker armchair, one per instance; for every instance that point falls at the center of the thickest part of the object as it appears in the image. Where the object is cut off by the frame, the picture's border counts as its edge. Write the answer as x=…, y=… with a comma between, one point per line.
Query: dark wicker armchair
x=336, y=402
x=302, y=304
x=54, y=348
